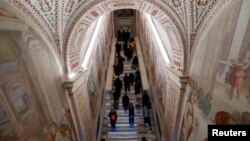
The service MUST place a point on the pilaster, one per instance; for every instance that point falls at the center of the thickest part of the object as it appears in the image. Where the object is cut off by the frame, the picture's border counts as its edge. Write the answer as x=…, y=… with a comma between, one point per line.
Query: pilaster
x=78, y=100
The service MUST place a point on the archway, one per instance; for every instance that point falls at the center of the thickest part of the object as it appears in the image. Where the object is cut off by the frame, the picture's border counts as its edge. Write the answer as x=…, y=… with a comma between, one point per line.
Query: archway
x=86, y=17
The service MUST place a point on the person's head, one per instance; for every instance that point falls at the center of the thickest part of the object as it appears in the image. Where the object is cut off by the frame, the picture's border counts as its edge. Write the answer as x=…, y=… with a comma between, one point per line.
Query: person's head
x=246, y=118
x=224, y=118
x=102, y=139
x=53, y=128
x=143, y=139
x=131, y=104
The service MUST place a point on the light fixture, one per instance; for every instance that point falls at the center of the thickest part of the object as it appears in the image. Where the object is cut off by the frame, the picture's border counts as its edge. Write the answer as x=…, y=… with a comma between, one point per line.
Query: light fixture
x=72, y=75
x=91, y=44
x=158, y=40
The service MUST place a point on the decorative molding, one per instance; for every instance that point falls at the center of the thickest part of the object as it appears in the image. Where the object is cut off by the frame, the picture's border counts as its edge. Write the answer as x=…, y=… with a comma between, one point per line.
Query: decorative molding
x=56, y=20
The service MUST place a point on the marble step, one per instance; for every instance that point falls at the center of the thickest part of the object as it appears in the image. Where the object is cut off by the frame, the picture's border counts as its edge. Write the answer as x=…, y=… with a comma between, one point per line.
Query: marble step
x=110, y=103
x=138, y=136
x=122, y=120
x=128, y=128
x=122, y=113
x=127, y=125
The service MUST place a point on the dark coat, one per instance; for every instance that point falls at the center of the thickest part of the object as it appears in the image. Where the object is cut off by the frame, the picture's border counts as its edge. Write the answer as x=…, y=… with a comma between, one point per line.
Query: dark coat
x=125, y=100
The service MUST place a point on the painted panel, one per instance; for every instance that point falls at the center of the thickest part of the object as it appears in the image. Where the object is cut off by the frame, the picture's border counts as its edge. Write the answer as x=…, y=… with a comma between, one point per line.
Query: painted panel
x=20, y=101
x=219, y=92
x=6, y=129
x=46, y=7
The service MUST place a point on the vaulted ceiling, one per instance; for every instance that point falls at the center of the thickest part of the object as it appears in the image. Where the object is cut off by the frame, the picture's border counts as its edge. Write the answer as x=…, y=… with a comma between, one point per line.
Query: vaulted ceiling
x=56, y=20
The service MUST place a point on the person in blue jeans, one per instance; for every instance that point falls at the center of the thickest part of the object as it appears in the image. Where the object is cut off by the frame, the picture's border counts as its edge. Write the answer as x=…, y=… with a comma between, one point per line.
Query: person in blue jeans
x=131, y=114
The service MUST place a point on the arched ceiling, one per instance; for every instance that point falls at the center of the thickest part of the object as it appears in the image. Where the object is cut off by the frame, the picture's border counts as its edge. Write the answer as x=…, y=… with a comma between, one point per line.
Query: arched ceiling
x=55, y=19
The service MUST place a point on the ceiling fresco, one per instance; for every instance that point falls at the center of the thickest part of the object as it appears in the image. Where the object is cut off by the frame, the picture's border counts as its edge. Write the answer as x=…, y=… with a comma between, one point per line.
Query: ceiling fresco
x=55, y=20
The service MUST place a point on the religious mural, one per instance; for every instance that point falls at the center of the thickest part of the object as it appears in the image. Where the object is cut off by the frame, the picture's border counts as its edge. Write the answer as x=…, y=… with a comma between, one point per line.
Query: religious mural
x=19, y=99
x=78, y=46
x=7, y=131
x=195, y=120
x=220, y=92
x=63, y=129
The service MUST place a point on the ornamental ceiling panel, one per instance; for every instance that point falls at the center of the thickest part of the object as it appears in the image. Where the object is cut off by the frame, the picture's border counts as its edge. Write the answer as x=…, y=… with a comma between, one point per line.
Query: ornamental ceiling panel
x=47, y=8
x=69, y=8
x=199, y=10
x=179, y=7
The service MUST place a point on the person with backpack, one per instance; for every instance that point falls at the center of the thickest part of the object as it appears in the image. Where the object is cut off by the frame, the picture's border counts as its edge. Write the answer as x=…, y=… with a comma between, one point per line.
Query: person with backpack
x=113, y=117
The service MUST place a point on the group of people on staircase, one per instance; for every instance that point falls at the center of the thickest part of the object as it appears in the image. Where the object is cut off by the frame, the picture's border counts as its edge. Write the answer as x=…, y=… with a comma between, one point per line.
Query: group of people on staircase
x=129, y=80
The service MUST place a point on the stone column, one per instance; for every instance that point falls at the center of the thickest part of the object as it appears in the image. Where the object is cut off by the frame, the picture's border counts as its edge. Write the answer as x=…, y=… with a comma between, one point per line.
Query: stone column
x=80, y=108
x=174, y=103
x=181, y=105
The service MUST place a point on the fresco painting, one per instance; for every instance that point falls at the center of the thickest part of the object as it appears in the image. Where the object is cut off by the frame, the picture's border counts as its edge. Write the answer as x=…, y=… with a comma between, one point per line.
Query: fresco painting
x=238, y=78
x=220, y=93
x=226, y=103
x=63, y=129
x=22, y=106
x=78, y=39
x=45, y=5
x=8, y=59
x=196, y=119
x=6, y=129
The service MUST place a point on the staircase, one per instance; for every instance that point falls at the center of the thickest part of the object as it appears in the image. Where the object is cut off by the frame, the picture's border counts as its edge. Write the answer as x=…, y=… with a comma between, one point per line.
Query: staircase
x=123, y=131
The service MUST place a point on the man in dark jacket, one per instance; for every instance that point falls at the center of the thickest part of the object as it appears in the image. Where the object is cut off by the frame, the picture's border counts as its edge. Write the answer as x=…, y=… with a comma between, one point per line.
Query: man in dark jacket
x=145, y=99
x=118, y=84
x=126, y=83
x=125, y=101
x=116, y=97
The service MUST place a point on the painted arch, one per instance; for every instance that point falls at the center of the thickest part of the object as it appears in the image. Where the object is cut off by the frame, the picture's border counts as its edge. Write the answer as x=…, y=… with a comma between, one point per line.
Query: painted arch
x=87, y=16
